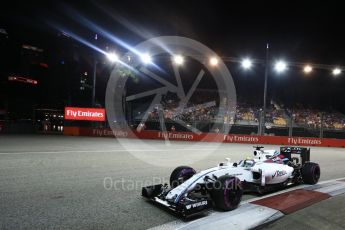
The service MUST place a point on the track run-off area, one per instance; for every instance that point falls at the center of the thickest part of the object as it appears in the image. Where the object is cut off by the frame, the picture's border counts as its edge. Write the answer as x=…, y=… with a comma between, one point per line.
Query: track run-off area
x=95, y=183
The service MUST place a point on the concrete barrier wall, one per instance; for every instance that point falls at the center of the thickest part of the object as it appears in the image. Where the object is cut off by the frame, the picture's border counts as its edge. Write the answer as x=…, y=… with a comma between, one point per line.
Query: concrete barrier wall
x=207, y=137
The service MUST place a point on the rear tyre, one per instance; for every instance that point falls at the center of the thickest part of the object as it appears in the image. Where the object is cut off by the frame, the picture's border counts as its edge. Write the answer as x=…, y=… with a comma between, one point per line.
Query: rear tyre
x=310, y=173
x=227, y=193
x=180, y=175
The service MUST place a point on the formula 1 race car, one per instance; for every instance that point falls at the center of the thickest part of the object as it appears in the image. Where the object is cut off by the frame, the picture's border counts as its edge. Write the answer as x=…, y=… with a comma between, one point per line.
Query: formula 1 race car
x=222, y=187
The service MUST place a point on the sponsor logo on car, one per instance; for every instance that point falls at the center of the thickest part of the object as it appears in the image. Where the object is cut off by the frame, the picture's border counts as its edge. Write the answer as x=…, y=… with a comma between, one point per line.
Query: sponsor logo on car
x=195, y=205
x=279, y=173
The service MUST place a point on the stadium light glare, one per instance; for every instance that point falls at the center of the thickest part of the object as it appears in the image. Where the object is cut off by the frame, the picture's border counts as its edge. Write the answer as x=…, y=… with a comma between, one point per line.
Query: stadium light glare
x=308, y=69
x=214, y=61
x=146, y=58
x=336, y=71
x=112, y=57
x=280, y=66
x=178, y=59
x=246, y=63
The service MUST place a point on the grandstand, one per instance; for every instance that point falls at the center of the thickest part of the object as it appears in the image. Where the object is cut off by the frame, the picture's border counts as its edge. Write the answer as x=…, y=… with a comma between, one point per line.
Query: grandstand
x=282, y=121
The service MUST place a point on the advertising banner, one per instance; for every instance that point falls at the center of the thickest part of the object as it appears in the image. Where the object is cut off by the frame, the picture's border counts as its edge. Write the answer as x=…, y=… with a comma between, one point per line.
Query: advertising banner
x=85, y=114
x=208, y=137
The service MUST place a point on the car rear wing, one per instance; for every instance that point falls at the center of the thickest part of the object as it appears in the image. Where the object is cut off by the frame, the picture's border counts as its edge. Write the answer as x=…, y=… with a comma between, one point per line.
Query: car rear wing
x=303, y=152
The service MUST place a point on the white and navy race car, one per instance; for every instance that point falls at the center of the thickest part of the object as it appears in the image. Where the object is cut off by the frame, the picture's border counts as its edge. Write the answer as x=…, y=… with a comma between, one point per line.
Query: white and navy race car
x=222, y=186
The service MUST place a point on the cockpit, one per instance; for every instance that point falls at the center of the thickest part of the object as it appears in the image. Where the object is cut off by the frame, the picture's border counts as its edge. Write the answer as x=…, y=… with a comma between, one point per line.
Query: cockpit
x=248, y=163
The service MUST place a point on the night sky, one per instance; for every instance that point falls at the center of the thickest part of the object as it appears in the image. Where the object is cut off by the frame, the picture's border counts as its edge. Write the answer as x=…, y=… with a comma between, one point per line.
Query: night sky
x=308, y=32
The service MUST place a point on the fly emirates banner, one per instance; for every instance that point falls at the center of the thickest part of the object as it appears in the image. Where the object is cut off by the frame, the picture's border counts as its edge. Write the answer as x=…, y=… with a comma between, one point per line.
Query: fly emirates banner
x=85, y=114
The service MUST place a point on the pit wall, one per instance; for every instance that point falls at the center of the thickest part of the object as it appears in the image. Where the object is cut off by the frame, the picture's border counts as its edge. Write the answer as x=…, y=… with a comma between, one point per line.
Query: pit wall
x=206, y=137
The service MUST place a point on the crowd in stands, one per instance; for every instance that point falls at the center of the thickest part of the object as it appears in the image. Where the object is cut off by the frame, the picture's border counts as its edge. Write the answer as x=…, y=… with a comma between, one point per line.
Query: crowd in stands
x=251, y=114
x=314, y=118
x=192, y=111
x=334, y=120
x=197, y=110
x=247, y=113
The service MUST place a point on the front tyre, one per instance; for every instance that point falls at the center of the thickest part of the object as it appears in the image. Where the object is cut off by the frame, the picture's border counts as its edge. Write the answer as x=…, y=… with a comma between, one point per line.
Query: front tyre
x=227, y=193
x=310, y=173
x=180, y=175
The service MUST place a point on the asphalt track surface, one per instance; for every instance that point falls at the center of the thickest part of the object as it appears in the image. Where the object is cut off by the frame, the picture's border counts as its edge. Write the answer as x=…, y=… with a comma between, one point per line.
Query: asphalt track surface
x=58, y=182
